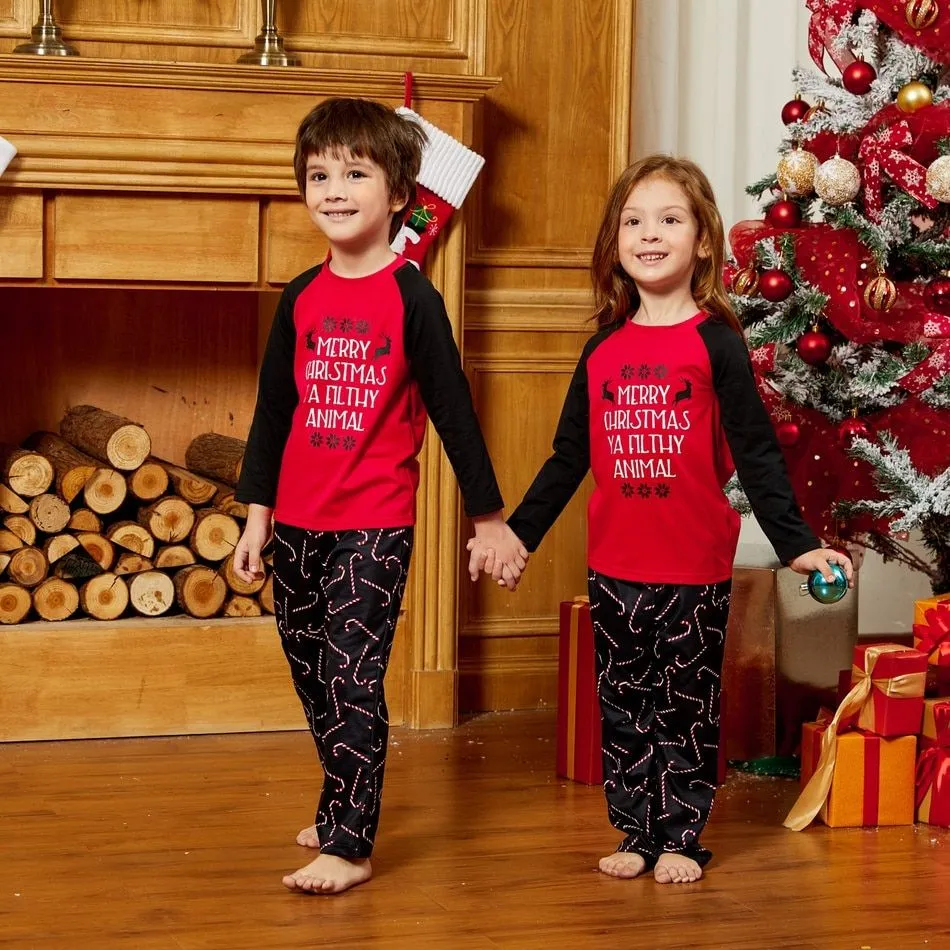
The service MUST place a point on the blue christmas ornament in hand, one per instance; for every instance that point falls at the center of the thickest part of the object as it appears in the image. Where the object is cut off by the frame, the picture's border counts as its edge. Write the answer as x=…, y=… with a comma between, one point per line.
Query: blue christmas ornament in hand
x=827, y=592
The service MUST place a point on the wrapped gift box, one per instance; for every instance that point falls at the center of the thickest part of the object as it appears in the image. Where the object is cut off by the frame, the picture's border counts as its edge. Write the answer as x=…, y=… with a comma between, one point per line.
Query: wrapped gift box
x=894, y=704
x=783, y=653
x=933, y=765
x=932, y=636
x=578, y=711
x=872, y=780
x=579, y=754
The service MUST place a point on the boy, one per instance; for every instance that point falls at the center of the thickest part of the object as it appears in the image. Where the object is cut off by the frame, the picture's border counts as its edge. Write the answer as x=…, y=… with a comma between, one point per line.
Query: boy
x=360, y=350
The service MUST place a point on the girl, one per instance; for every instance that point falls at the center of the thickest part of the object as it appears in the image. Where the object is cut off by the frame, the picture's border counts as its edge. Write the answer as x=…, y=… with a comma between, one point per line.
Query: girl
x=663, y=407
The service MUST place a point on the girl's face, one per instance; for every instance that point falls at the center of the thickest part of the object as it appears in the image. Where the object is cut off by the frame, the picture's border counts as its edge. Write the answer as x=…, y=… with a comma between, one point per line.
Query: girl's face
x=658, y=239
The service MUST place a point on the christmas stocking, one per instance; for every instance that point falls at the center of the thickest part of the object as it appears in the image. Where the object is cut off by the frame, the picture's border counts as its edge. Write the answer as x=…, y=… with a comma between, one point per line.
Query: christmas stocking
x=449, y=170
x=7, y=151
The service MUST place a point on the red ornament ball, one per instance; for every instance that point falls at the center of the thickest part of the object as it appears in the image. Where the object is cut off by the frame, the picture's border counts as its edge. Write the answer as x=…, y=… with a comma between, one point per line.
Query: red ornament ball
x=784, y=214
x=851, y=429
x=788, y=433
x=858, y=76
x=814, y=347
x=938, y=295
x=775, y=285
x=794, y=111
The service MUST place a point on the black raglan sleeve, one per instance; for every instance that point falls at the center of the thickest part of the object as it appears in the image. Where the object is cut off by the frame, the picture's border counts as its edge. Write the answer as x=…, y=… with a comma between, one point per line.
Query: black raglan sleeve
x=755, y=450
x=436, y=367
x=276, y=401
x=561, y=475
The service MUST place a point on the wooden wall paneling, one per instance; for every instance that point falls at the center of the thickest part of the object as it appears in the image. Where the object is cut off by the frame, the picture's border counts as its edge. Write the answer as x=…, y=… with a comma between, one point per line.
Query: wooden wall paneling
x=440, y=29
x=508, y=641
x=428, y=36
x=15, y=18
x=209, y=23
x=179, y=362
x=552, y=131
x=21, y=234
x=134, y=237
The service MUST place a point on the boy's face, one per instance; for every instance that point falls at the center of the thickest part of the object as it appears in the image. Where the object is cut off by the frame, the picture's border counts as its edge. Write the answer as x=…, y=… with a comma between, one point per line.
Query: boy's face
x=348, y=200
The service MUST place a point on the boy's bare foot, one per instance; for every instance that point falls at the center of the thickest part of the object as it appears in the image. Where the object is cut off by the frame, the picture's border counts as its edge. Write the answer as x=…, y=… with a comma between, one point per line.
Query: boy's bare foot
x=676, y=869
x=308, y=838
x=329, y=874
x=623, y=864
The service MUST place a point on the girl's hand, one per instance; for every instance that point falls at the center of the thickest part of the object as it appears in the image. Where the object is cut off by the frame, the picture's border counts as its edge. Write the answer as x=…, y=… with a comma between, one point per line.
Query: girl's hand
x=247, y=555
x=819, y=559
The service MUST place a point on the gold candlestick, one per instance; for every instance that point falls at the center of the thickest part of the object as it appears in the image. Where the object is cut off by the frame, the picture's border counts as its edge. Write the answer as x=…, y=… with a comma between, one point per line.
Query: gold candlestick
x=47, y=38
x=269, y=46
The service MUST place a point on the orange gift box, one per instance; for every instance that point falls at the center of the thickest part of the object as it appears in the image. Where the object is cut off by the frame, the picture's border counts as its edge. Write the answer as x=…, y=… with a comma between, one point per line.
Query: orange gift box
x=894, y=705
x=873, y=778
x=578, y=711
x=933, y=765
x=932, y=634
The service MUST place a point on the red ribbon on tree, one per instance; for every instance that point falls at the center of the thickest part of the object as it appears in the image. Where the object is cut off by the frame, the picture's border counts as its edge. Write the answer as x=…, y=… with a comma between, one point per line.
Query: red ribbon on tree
x=881, y=152
x=828, y=17
x=928, y=372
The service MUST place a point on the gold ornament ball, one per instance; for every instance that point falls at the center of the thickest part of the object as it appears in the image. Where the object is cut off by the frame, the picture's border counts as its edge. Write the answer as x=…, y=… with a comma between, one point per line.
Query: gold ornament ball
x=796, y=172
x=914, y=96
x=921, y=13
x=880, y=293
x=746, y=282
x=938, y=178
x=837, y=181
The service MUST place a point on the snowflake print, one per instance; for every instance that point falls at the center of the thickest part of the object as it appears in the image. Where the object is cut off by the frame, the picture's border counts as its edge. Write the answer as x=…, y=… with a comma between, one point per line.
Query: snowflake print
x=662, y=490
x=914, y=177
x=346, y=325
x=644, y=491
x=626, y=489
x=362, y=326
x=333, y=441
x=644, y=371
x=329, y=324
x=316, y=439
x=938, y=361
x=432, y=230
x=931, y=328
x=626, y=371
x=660, y=371
x=349, y=443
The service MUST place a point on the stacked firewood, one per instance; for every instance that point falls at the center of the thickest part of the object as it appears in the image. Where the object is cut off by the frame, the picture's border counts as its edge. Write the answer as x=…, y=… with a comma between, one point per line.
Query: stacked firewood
x=92, y=523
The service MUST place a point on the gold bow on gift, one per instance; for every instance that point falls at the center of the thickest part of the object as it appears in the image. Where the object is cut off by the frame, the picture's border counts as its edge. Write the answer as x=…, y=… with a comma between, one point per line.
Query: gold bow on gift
x=858, y=700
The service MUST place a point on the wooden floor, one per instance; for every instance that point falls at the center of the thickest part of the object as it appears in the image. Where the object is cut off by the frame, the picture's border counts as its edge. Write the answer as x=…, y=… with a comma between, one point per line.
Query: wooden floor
x=179, y=844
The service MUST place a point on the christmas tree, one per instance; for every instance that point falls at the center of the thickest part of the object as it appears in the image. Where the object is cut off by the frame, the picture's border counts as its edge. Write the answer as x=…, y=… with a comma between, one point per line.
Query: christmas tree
x=844, y=286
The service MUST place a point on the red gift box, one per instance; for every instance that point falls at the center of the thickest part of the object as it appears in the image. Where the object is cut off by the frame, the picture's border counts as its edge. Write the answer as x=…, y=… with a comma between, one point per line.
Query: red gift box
x=933, y=766
x=932, y=636
x=888, y=689
x=578, y=711
x=579, y=755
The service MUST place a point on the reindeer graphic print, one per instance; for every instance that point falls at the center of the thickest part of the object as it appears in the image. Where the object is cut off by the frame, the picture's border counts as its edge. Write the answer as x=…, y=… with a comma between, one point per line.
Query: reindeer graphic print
x=645, y=426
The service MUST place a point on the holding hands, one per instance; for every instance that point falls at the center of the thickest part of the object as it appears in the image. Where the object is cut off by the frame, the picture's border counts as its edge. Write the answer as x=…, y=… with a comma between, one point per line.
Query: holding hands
x=496, y=550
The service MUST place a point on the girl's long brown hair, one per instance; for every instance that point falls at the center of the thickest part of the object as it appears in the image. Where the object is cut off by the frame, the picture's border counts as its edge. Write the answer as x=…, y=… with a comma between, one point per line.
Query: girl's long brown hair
x=615, y=294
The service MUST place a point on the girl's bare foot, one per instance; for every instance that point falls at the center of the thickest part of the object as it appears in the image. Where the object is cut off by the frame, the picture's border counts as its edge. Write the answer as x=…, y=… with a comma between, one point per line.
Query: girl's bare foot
x=308, y=838
x=329, y=874
x=676, y=869
x=623, y=864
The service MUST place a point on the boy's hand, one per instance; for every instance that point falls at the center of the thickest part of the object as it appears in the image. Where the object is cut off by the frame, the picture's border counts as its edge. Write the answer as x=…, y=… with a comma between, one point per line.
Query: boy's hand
x=257, y=531
x=496, y=550
x=819, y=559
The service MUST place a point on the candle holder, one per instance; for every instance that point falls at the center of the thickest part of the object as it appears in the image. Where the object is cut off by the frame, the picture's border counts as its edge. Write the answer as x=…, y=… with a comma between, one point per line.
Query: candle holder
x=46, y=36
x=269, y=46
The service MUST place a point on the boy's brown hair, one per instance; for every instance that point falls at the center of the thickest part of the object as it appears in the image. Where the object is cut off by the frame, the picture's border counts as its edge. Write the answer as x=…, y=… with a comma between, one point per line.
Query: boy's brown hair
x=366, y=129
x=615, y=294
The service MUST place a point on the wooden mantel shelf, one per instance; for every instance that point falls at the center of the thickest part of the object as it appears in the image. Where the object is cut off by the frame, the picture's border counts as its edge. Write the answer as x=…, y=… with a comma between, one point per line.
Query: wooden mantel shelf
x=173, y=174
